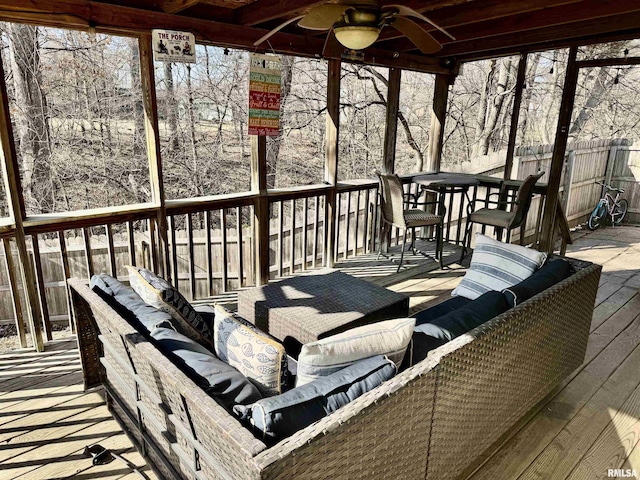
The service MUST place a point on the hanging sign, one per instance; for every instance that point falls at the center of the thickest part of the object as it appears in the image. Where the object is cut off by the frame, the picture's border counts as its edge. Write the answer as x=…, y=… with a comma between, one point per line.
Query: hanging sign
x=264, y=94
x=171, y=46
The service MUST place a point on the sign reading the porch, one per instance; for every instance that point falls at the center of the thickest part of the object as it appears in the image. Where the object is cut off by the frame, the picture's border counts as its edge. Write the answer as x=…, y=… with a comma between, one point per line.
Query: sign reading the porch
x=171, y=46
x=264, y=95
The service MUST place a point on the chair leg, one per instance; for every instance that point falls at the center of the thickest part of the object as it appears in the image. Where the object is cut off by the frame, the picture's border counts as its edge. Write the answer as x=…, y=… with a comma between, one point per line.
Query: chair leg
x=466, y=240
x=439, y=244
x=522, y=232
x=404, y=241
x=413, y=240
x=498, y=234
x=508, y=235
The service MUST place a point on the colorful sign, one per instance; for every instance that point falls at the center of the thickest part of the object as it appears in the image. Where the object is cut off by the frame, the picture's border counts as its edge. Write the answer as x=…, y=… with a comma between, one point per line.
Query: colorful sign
x=264, y=95
x=170, y=46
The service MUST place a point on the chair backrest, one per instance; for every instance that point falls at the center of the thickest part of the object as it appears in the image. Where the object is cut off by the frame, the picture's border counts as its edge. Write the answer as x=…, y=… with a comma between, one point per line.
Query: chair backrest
x=523, y=201
x=391, y=199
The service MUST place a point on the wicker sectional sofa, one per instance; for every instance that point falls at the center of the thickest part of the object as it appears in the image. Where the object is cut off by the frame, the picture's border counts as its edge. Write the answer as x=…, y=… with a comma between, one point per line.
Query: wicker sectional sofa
x=435, y=420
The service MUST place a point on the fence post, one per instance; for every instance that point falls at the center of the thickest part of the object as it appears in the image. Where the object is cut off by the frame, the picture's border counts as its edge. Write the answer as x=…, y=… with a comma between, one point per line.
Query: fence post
x=613, y=153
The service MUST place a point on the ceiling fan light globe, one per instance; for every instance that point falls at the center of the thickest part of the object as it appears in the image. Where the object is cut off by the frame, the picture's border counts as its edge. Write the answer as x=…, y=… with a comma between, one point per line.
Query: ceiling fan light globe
x=356, y=37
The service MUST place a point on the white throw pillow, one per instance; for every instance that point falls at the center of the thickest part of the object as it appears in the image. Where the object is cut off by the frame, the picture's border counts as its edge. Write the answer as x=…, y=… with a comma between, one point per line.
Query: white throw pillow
x=496, y=265
x=328, y=355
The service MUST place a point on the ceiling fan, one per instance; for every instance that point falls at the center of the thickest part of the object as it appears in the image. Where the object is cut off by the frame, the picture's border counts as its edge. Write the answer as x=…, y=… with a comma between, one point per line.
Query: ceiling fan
x=357, y=24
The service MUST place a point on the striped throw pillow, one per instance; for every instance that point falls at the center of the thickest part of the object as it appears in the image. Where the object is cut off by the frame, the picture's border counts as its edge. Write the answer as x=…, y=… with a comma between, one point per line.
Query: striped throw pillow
x=329, y=355
x=496, y=265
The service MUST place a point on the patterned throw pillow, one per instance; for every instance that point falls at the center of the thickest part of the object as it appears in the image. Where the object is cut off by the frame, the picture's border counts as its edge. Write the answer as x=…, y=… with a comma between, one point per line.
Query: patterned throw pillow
x=159, y=293
x=496, y=266
x=257, y=355
x=328, y=355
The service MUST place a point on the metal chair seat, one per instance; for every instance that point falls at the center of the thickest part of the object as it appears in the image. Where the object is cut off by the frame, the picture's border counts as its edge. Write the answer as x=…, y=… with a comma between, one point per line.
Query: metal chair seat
x=415, y=217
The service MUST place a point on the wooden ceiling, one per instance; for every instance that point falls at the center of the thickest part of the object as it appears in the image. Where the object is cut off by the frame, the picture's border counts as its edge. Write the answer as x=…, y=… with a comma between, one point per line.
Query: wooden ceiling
x=482, y=28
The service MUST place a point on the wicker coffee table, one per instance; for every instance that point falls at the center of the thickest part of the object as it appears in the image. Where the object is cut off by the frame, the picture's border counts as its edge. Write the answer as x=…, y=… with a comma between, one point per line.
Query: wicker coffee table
x=308, y=307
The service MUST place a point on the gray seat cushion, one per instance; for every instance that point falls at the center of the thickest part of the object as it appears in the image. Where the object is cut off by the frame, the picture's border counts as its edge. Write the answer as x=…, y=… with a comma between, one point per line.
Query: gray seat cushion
x=219, y=380
x=493, y=217
x=142, y=316
x=278, y=417
x=448, y=306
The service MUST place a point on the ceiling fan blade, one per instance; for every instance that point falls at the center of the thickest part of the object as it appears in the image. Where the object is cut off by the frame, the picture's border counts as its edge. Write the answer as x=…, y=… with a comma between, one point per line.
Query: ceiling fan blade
x=276, y=30
x=410, y=12
x=323, y=16
x=418, y=35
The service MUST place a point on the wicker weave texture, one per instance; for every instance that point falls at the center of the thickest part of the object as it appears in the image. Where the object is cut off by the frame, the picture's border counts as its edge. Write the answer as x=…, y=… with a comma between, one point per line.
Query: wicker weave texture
x=494, y=375
x=310, y=307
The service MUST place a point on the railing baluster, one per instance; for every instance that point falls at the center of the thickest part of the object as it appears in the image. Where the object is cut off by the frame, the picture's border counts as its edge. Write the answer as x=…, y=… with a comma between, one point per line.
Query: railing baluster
x=280, y=238
x=338, y=208
x=305, y=225
x=449, y=216
x=66, y=271
x=376, y=223
x=207, y=233
x=316, y=228
x=192, y=272
x=365, y=223
x=15, y=292
x=111, y=250
x=225, y=253
x=132, y=243
x=355, y=233
x=86, y=234
x=174, y=251
x=325, y=231
x=240, y=249
x=37, y=263
x=292, y=239
x=153, y=238
x=347, y=226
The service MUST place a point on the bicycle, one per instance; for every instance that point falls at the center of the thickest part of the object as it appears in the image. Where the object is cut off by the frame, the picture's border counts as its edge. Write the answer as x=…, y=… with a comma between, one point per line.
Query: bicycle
x=613, y=208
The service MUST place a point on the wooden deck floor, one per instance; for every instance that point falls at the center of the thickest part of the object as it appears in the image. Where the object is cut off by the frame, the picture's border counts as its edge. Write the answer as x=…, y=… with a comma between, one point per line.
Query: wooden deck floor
x=590, y=425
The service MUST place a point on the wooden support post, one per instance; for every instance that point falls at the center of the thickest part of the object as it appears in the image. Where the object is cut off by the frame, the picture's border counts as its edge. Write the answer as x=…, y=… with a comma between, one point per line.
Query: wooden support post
x=260, y=208
x=13, y=190
x=515, y=115
x=557, y=160
x=331, y=158
x=438, y=114
x=393, y=103
x=153, y=152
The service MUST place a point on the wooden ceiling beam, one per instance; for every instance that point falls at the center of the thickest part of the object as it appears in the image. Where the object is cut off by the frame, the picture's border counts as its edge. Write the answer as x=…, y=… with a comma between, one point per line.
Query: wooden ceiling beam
x=262, y=11
x=565, y=34
x=482, y=10
x=115, y=19
x=175, y=6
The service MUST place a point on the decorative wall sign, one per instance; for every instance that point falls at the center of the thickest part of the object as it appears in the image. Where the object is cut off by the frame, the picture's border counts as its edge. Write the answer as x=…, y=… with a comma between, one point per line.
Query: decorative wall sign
x=171, y=46
x=265, y=72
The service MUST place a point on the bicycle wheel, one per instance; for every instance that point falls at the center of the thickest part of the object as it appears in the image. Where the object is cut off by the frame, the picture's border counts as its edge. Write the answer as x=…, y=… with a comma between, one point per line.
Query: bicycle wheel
x=619, y=212
x=596, y=216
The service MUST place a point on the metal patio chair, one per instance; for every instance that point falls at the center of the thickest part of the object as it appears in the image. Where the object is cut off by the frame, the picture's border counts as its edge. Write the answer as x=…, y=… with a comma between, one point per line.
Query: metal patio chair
x=393, y=201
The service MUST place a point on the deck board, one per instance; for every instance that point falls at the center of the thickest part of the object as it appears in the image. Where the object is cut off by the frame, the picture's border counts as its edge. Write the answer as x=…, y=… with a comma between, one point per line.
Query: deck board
x=590, y=424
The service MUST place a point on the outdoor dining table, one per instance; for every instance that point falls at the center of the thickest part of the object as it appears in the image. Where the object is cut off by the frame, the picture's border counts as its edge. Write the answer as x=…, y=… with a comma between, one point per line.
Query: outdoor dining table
x=450, y=183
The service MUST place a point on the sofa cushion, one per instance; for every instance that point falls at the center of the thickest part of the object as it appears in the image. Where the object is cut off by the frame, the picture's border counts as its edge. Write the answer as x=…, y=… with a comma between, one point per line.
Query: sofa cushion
x=328, y=355
x=549, y=274
x=257, y=355
x=464, y=319
x=219, y=380
x=128, y=304
x=159, y=293
x=281, y=416
x=448, y=306
x=421, y=345
x=496, y=265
